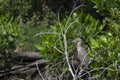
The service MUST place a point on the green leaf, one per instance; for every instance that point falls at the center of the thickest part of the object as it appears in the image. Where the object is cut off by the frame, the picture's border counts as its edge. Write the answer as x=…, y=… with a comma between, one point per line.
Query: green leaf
x=104, y=39
x=10, y=38
x=39, y=47
x=94, y=43
x=111, y=55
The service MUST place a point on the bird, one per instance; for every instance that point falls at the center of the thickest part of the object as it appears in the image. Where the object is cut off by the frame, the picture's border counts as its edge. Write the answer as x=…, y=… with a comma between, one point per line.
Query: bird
x=81, y=53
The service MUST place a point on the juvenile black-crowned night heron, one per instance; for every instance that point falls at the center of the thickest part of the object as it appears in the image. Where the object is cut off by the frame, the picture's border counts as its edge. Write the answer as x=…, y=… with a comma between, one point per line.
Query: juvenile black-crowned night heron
x=81, y=53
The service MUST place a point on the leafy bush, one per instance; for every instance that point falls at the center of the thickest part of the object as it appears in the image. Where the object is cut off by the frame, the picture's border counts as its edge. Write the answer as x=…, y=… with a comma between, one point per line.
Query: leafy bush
x=102, y=46
x=30, y=27
x=15, y=8
x=103, y=7
x=9, y=32
x=101, y=39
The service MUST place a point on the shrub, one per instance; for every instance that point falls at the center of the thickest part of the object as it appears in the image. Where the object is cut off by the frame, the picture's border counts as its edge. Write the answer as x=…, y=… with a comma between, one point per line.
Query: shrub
x=102, y=46
x=9, y=32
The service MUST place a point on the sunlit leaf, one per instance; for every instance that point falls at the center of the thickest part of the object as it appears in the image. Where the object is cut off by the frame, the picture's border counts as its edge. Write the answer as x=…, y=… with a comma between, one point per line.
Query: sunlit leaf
x=94, y=43
x=39, y=47
x=104, y=39
x=10, y=38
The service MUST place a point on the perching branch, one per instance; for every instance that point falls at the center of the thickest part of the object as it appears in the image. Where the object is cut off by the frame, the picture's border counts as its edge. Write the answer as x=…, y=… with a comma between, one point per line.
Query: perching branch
x=67, y=57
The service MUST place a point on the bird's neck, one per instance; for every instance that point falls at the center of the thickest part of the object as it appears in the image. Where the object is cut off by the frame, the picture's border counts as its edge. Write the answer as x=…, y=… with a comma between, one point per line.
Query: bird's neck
x=79, y=44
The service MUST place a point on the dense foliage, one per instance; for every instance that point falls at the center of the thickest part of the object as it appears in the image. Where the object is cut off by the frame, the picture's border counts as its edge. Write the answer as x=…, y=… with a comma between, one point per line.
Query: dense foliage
x=9, y=32
x=41, y=28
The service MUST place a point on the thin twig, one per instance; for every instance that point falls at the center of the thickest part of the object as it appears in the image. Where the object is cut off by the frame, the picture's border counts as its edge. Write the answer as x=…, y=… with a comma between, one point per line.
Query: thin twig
x=58, y=50
x=71, y=25
x=41, y=33
x=39, y=71
x=96, y=54
x=56, y=42
x=59, y=19
x=101, y=68
x=72, y=13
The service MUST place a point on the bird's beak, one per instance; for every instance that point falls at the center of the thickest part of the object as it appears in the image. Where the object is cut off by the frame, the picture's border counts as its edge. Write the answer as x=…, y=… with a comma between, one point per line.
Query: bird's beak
x=73, y=41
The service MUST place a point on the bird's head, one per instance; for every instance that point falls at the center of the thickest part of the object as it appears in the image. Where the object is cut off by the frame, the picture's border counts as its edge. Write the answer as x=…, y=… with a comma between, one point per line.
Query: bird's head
x=77, y=40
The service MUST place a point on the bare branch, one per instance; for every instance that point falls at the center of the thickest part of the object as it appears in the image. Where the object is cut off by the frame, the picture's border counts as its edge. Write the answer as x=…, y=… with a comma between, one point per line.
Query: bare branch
x=39, y=71
x=66, y=56
x=96, y=54
x=96, y=69
x=72, y=13
x=58, y=50
x=71, y=24
x=41, y=33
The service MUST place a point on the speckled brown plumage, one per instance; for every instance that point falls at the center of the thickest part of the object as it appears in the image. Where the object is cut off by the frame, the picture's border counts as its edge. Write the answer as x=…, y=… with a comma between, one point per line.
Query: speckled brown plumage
x=81, y=53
